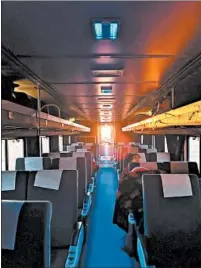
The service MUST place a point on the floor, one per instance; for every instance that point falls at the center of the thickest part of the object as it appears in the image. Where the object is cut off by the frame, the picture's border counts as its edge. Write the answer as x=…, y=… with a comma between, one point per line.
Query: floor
x=105, y=240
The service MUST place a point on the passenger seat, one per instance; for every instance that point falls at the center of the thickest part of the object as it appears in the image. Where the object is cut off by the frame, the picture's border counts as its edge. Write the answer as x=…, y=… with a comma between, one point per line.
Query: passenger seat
x=26, y=234
x=172, y=221
x=60, y=188
x=14, y=185
x=33, y=163
x=75, y=163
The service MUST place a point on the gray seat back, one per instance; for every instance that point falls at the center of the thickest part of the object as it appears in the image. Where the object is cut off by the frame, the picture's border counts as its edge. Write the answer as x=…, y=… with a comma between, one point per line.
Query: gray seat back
x=26, y=234
x=170, y=215
x=33, y=163
x=60, y=187
x=14, y=185
x=159, y=157
x=180, y=167
x=88, y=156
x=74, y=163
x=57, y=155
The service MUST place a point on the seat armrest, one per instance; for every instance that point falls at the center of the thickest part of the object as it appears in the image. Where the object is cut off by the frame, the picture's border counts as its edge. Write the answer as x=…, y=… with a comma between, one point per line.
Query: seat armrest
x=86, y=205
x=141, y=249
x=75, y=249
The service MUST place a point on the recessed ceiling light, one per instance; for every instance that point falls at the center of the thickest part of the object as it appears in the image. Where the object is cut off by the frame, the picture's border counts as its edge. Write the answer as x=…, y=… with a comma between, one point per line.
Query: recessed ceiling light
x=105, y=29
x=106, y=90
x=109, y=73
x=107, y=106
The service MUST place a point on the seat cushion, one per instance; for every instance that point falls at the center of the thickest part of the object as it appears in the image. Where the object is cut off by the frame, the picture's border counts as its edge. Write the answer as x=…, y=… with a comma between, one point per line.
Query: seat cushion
x=58, y=258
x=176, y=249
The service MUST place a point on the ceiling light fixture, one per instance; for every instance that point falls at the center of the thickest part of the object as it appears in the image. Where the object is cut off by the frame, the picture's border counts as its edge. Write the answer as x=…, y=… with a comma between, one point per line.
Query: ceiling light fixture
x=107, y=73
x=105, y=29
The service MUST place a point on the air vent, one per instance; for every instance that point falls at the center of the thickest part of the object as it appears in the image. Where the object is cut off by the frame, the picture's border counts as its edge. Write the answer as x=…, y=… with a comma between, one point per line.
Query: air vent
x=107, y=106
x=106, y=100
x=107, y=73
x=106, y=90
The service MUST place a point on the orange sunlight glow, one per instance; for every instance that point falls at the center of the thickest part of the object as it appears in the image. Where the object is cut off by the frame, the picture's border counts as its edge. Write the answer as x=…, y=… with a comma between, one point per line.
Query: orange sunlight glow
x=106, y=132
x=172, y=36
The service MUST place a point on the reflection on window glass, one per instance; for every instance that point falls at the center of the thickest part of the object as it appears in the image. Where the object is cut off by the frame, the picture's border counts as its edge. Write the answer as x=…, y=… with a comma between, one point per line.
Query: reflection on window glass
x=166, y=147
x=3, y=155
x=15, y=150
x=60, y=143
x=194, y=150
x=153, y=142
x=45, y=141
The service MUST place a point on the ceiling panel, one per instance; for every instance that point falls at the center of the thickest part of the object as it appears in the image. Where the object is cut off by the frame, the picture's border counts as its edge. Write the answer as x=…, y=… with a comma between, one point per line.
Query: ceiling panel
x=55, y=40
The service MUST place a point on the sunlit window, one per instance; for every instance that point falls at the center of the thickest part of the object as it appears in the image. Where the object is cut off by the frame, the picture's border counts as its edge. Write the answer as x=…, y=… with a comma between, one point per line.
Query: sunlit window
x=166, y=147
x=45, y=141
x=106, y=133
x=194, y=150
x=3, y=155
x=153, y=142
x=60, y=143
x=15, y=150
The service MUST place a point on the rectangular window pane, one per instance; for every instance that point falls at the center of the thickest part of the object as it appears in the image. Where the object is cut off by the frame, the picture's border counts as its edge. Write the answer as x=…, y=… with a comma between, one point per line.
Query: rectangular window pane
x=15, y=150
x=3, y=155
x=142, y=139
x=194, y=150
x=45, y=141
x=166, y=147
x=60, y=143
x=153, y=142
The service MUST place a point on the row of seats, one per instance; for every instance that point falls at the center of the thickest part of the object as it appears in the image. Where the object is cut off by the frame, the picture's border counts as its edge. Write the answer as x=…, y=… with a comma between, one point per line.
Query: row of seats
x=175, y=167
x=172, y=213
x=172, y=221
x=64, y=186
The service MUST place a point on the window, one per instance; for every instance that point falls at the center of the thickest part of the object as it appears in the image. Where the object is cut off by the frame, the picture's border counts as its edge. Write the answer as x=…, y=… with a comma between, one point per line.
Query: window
x=3, y=155
x=60, y=143
x=15, y=150
x=153, y=142
x=69, y=139
x=166, y=147
x=142, y=139
x=194, y=150
x=45, y=142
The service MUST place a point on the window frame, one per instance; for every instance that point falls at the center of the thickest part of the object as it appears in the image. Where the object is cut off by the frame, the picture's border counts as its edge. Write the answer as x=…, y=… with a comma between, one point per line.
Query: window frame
x=188, y=151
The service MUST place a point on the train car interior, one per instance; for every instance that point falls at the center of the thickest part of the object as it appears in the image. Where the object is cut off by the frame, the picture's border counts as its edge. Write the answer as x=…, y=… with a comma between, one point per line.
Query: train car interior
x=101, y=134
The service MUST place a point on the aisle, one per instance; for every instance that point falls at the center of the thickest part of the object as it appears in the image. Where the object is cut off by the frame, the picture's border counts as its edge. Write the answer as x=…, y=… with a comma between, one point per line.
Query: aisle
x=105, y=239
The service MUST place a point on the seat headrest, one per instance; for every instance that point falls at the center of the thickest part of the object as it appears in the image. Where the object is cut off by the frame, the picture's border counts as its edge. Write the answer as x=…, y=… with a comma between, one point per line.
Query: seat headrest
x=163, y=157
x=151, y=151
x=176, y=185
x=143, y=146
x=68, y=163
x=10, y=214
x=82, y=150
x=33, y=163
x=79, y=154
x=179, y=167
x=49, y=179
x=8, y=180
x=149, y=165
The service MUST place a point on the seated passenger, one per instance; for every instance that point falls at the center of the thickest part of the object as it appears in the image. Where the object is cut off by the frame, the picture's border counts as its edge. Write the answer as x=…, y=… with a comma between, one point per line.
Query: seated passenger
x=95, y=167
x=129, y=199
x=130, y=158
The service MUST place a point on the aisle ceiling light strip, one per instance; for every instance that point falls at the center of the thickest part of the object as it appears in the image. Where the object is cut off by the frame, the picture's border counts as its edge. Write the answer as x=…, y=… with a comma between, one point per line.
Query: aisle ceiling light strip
x=189, y=115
